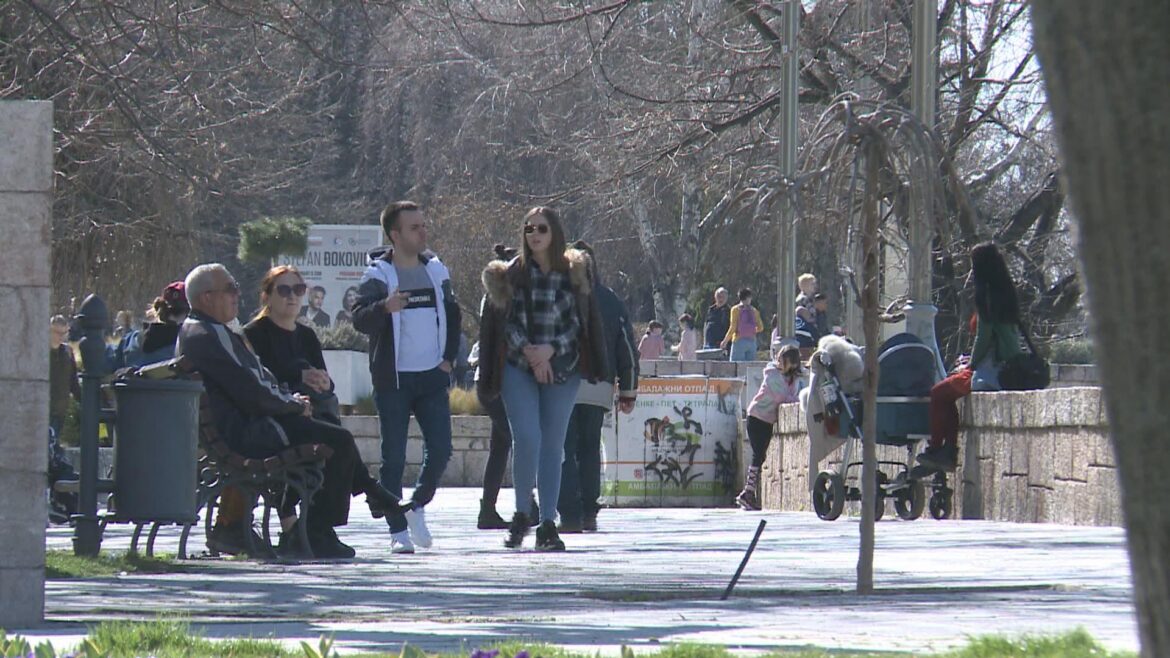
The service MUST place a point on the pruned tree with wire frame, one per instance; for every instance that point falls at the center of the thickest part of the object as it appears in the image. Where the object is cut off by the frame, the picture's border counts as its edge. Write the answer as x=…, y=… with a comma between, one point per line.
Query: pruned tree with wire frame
x=868, y=170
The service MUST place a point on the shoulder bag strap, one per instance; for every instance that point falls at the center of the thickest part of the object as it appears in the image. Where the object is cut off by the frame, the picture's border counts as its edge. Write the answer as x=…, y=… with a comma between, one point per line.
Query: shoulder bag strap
x=1027, y=337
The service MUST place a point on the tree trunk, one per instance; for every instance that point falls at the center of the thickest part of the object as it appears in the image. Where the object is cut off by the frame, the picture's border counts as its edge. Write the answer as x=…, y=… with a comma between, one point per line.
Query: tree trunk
x=661, y=287
x=869, y=309
x=1107, y=69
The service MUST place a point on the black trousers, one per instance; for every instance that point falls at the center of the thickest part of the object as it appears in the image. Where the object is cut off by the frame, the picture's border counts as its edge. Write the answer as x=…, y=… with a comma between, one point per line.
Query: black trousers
x=581, y=470
x=498, y=448
x=345, y=474
x=759, y=436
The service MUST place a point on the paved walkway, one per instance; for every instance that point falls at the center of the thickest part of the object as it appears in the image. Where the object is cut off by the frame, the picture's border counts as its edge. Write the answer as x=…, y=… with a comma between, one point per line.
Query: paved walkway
x=650, y=576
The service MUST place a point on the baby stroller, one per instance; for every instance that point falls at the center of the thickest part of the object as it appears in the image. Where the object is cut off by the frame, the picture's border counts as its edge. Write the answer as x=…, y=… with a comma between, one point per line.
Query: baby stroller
x=908, y=370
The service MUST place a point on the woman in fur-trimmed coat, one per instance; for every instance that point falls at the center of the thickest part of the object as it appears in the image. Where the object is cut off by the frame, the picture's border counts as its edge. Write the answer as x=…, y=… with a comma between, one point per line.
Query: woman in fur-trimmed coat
x=540, y=335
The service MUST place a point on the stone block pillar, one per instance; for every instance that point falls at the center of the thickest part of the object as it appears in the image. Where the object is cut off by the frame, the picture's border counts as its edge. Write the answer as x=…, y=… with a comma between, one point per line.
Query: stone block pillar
x=26, y=184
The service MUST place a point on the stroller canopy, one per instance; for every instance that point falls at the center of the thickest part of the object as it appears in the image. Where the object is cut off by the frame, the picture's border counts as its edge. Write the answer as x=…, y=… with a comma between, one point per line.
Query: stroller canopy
x=907, y=367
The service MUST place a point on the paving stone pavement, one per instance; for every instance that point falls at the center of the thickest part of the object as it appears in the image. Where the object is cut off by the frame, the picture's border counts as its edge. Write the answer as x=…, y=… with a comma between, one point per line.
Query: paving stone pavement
x=650, y=576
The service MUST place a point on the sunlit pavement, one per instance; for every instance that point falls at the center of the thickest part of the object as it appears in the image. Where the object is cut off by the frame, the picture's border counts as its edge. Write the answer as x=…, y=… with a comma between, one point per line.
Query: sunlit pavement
x=650, y=576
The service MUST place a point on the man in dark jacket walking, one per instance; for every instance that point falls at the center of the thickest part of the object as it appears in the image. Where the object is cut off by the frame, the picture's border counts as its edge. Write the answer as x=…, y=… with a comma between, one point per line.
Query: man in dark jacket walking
x=581, y=470
x=258, y=418
x=406, y=306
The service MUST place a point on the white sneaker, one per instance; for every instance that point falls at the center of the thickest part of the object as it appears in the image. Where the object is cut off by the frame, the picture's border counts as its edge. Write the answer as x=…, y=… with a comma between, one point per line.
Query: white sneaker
x=416, y=520
x=400, y=542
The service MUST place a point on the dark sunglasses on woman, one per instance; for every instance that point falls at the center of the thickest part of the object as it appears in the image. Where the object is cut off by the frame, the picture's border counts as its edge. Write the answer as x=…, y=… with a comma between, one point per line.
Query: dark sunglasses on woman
x=533, y=228
x=285, y=290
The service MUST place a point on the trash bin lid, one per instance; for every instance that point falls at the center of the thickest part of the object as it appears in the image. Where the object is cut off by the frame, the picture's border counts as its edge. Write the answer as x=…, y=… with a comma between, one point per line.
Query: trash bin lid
x=169, y=385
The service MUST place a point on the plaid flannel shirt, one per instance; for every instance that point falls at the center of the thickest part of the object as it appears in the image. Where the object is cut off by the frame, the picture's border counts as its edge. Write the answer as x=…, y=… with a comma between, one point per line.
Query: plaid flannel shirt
x=554, y=318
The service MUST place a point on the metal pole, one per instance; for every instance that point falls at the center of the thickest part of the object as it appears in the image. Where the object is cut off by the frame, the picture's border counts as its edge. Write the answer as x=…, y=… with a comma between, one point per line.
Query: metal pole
x=94, y=317
x=743, y=563
x=789, y=135
x=924, y=90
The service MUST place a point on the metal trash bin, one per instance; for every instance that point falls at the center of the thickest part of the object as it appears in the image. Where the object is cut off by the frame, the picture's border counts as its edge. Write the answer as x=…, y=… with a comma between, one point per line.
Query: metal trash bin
x=156, y=451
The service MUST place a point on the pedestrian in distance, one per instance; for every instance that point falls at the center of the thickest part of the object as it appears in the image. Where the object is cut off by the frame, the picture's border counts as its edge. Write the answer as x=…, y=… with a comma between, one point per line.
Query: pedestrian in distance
x=688, y=341
x=717, y=321
x=741, y=333
x=653, y=344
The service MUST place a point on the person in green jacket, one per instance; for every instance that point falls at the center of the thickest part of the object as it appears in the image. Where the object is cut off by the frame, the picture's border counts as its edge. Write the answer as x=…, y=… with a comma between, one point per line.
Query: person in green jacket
x=997, y=338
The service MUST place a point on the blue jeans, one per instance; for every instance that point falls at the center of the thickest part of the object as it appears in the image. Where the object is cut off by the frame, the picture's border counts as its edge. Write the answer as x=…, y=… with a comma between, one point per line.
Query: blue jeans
x=539, y=416
x=581, y=473
x=425, y=395
x=743, y=349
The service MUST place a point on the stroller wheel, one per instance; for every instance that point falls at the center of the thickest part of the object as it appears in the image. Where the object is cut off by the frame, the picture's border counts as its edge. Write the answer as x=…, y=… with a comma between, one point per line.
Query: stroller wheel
x=941, y=505
x=828, y=496
x=910, y=501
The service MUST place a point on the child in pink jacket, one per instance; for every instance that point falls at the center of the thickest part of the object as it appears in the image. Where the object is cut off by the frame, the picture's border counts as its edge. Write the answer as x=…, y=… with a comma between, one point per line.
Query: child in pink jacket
x=653, y=344
x=783, y=379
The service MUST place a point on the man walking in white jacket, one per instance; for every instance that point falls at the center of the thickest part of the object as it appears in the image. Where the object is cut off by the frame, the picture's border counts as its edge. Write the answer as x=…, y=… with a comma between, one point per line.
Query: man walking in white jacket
x=406, y=306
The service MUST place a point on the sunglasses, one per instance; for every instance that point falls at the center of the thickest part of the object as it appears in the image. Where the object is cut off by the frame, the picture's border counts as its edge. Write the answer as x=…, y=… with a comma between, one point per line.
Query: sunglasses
x=232, y=288
x=285, y=290
x=533, y=228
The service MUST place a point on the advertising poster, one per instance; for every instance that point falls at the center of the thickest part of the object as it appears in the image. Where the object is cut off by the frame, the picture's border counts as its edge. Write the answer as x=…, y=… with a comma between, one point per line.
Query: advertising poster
x=332, y=268
x=678, y=448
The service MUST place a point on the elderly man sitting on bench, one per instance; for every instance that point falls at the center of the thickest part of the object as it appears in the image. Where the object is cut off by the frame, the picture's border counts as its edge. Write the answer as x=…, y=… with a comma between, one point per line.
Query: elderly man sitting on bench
x=259, y=419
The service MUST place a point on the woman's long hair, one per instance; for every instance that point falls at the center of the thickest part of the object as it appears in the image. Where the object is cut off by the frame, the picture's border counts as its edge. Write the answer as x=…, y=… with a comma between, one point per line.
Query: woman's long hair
x=268, y=286
x=556, y=246
x=995, y=294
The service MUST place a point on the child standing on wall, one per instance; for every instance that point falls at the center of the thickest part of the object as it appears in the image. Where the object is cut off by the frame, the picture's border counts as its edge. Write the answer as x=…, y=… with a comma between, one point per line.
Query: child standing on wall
x=688, y=340
x=783, y=379
x=652, y=345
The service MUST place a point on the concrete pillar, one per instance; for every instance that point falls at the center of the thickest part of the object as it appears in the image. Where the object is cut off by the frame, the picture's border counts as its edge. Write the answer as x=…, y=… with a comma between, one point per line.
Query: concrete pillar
x=26, y=184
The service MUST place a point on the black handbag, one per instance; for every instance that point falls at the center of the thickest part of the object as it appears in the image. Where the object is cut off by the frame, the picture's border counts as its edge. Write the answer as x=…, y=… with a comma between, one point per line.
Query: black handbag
x=1025, y=371
x=563, y=365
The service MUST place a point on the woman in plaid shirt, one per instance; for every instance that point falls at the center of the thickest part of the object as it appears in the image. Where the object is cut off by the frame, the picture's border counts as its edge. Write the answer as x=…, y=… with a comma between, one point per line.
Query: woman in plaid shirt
x=537, y=341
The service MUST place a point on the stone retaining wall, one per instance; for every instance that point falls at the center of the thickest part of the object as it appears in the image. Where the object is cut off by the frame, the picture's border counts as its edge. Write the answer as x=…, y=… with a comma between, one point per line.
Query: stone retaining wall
x=1041, y=456
x=469, y=444
x=1038, y=456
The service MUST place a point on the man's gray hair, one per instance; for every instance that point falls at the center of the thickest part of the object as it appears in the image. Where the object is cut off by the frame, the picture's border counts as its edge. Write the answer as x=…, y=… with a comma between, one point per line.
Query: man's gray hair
x=202, y=279
x=721, y=290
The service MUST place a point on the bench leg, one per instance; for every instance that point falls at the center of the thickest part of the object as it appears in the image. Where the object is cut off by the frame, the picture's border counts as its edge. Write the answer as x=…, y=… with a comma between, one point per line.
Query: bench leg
x=183, y=541
x=150, y=539
x=135, y=536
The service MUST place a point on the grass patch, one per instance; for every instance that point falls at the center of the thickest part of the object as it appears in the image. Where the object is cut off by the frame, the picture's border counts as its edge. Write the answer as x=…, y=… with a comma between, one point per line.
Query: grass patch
x=62, y=565
x=1077, y=644
x=175, y=639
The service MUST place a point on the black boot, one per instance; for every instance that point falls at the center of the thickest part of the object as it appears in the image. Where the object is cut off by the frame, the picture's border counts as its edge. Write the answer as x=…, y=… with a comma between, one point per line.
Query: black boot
x=940, y=458
x=380, y=500
x=747, y=499
x=517, y=531
x=547, y=538
x=489, y=518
